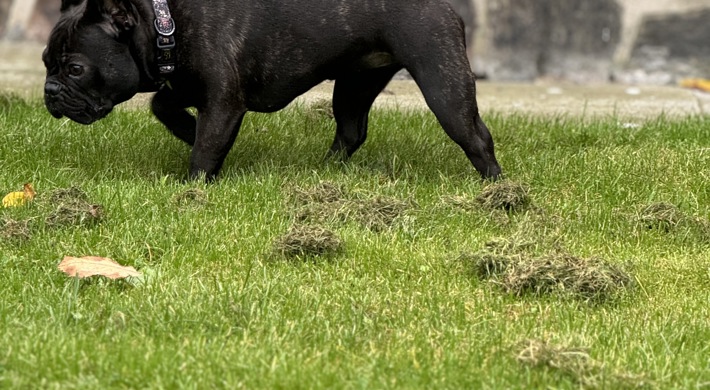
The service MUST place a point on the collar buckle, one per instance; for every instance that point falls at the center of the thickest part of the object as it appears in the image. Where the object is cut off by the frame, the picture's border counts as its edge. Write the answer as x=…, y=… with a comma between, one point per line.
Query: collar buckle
x=165, y=27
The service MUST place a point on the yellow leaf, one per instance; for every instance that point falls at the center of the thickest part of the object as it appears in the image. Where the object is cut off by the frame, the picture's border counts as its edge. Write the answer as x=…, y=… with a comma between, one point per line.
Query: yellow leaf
x=13, y=199
x=701, y=84
x=84, y=267
x=19, y=198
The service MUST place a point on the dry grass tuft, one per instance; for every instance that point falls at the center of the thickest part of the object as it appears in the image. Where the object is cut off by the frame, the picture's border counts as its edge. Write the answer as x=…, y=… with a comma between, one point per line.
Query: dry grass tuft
x=306, y=240
x=505, y=195
x=323, y=192
x=15, y=231
x=577, y=364
x=75, y=214
x=520, y=273
x=67, y=195
x=662, y=216
x=193, y=197
x=379, y=213
x=669, y=218
x=574, y=362
x=461, y=202
x=328, y=202
x=72, y=208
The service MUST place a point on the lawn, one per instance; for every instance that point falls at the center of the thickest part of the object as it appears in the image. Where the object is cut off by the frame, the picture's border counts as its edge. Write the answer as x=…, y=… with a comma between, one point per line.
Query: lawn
x=417, y=289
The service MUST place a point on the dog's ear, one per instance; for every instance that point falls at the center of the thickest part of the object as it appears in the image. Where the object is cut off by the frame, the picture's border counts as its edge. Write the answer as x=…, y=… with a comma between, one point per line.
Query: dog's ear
x=120, y=15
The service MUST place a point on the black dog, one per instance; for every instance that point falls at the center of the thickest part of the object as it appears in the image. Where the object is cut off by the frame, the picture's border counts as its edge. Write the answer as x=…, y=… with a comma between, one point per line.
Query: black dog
x=227, y=57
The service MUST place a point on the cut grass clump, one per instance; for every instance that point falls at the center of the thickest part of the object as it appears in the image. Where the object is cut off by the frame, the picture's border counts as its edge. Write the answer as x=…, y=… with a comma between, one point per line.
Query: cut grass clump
x=506, y=195
x=662, y=216
x=190, y=198
x=328, y=202
x=323, y=192
x=67, y=195
x=520, y=273
x=669, y=218
x=60, y=208
x=307, y=240
x=15, y=231
x=575, y=363
x=72, y=208
x=379, y=213
x=75, y=214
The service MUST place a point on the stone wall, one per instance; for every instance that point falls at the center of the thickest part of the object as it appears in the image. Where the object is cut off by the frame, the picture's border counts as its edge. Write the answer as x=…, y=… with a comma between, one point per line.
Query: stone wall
x=526, y=39
x=630, y=41
x=34, y=23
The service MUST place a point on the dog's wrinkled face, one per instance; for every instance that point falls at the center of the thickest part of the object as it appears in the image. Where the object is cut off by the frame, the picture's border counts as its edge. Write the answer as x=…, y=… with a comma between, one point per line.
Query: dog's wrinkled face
x=89, y=70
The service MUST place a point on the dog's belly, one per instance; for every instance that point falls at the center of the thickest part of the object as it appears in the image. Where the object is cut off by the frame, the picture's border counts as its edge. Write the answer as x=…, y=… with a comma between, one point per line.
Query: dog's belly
x=273, y=96
x=277, y=91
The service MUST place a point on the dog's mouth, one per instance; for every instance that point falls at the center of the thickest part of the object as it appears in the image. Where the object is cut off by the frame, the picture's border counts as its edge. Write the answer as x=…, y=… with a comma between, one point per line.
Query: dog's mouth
x=80, y=109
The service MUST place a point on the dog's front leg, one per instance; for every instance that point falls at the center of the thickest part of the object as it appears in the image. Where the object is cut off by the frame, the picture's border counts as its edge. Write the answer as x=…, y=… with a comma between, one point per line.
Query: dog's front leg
x=169, y=108
x=217, y=128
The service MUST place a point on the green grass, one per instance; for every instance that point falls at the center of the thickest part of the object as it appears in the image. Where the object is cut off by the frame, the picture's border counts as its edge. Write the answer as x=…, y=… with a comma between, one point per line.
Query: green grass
x=396, y=307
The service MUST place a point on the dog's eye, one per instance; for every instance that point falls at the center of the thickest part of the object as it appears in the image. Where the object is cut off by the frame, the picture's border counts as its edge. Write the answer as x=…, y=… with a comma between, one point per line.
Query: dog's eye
x=76, y=70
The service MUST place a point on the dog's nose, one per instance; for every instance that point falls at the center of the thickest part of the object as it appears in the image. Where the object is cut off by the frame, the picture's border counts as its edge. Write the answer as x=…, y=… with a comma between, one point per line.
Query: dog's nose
x=51, y=88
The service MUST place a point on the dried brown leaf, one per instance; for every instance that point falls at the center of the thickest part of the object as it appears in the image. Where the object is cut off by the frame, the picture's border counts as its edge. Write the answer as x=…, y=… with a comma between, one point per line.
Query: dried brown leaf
x=84, y=267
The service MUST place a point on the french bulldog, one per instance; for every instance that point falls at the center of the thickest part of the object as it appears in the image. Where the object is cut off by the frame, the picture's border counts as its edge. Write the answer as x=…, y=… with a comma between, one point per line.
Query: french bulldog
x=227, y=57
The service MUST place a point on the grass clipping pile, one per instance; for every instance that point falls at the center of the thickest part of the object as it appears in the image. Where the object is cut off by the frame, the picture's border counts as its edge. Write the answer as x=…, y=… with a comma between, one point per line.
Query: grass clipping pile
x=504, y=196
x=667, y=218
x=15, y=231
x=308, y=241
x=61, y=208
x=518, y=272
x=577, y=364
x=328, y=202
x=72, y=208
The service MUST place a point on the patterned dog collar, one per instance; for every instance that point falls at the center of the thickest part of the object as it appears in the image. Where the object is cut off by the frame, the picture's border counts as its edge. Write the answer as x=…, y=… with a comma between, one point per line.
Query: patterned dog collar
x=165, y=26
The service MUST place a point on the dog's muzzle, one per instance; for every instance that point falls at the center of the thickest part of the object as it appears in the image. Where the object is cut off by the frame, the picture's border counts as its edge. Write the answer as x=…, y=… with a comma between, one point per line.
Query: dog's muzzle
x=51, y=91
x=74, y=106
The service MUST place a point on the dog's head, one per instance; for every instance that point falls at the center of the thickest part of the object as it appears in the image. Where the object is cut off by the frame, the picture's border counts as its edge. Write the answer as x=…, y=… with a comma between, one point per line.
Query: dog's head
x=88, y=58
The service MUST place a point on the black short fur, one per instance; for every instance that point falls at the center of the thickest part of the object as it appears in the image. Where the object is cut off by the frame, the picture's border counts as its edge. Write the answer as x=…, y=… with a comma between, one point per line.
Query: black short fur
x=241, y=55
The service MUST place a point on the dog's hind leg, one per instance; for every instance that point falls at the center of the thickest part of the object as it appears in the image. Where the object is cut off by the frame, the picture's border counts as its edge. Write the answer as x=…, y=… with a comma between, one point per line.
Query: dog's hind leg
x=353, y=96
x=445, y=78
x=451, y=95
x=170, y=110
